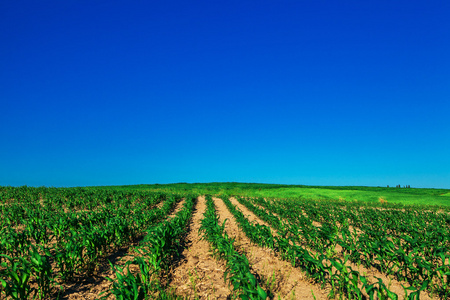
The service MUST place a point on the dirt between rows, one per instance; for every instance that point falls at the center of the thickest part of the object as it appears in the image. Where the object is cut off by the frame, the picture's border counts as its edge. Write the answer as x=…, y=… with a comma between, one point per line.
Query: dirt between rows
x=285, y=281
x=199, y=274
x=393, y=284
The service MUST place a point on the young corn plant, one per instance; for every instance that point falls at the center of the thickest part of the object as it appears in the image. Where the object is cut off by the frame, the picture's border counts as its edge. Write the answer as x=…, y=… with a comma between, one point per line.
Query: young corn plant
x=127, y=286
x=15, y=278
x=70, y=258
x=237, y=272
x=42, y=271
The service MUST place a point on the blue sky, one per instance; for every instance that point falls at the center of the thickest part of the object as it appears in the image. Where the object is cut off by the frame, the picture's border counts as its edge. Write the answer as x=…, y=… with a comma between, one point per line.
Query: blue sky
x=295, y=92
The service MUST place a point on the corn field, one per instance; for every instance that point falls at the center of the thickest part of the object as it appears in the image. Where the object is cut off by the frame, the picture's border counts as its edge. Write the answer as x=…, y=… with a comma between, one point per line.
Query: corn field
x=92, y=243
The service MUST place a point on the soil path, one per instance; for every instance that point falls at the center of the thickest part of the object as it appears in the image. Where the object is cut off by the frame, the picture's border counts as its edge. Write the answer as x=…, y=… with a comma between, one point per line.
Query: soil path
x=199, y=274
x=285, y=281
x=393, y=284
x=91, y=287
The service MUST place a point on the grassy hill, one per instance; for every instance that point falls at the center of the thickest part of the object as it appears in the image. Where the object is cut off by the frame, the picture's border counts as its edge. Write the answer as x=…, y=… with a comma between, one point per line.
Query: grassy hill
x=408, y=196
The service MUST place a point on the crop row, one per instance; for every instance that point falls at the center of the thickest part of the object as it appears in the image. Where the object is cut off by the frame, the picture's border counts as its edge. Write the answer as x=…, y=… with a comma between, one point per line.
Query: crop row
x=160, y=246
x=238, y=272
x=73, y=199
x=342, y=279
x=421, y=263
x=50, y=251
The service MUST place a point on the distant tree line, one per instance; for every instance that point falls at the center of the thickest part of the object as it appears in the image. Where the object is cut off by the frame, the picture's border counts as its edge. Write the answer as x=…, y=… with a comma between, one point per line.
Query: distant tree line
x=399, y=186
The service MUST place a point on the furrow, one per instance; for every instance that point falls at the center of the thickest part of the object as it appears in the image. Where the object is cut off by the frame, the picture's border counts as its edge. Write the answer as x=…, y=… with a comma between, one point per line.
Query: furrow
x=199, y=274
x=283, y=280
x=372, y=274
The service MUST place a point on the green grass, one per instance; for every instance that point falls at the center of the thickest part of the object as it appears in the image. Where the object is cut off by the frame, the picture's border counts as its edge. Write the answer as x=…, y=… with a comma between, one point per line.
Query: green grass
x=411, y=196
x=391, y=195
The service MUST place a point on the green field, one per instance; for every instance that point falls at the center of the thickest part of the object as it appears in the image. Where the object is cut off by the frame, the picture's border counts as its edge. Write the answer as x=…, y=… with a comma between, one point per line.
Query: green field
x=224, y=241
x=407, y=196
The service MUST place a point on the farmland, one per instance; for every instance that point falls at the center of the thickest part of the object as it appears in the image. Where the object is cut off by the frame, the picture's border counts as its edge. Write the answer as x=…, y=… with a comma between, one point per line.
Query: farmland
x=224, y=240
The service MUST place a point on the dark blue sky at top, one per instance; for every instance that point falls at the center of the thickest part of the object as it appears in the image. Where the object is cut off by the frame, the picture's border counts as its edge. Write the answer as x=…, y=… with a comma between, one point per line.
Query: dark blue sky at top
x=297, y=92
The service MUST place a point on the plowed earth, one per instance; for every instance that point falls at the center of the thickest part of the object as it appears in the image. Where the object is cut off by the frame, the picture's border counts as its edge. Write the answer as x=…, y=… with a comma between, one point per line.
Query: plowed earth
x=284, y=281
x=393, y=284
x=199, y=274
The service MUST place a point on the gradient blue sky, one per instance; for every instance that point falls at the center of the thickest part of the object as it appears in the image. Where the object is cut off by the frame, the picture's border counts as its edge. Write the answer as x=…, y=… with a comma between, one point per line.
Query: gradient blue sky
x=296, y=92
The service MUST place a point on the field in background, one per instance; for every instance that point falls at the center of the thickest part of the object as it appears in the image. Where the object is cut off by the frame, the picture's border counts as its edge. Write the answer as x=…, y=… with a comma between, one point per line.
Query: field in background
x=409, y=196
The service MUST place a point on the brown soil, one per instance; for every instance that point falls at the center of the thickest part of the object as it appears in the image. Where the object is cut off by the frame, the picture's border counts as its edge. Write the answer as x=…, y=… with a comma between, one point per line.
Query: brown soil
x=199, y=274
x=285, y=281
x=394, y=285
x=178, y=207
x=91, y=287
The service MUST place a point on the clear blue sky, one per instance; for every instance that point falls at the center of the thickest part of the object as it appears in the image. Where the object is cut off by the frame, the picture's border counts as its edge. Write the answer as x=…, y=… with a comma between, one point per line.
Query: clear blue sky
x=296, y=92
